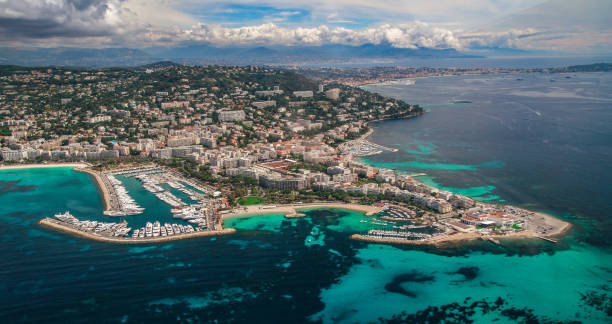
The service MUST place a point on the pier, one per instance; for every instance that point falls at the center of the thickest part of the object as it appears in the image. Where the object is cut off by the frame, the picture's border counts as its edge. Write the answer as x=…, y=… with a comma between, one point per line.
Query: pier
x=138, y=171
x=547, y=239
x=362, y=147
x=59, y=226
x=417, y=175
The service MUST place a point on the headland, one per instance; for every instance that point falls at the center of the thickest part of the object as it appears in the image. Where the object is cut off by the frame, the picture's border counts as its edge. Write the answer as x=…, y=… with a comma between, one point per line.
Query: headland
x=559, y=228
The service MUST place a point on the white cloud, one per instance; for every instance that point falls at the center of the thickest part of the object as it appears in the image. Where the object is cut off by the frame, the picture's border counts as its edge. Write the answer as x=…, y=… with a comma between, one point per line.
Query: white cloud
x=400, y=23
x=28, y=20
x=411, y=35
x=514, y=38
x=66, y=18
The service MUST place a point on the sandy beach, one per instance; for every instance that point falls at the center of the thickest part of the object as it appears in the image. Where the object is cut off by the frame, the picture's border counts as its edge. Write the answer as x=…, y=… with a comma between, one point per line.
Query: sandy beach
x=292, y=211
x=43, y=165
x=559, y=226
x=56, y=225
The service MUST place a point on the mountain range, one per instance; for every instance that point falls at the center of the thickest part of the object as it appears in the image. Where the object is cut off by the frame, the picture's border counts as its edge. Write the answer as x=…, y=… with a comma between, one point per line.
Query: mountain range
x=206, y=54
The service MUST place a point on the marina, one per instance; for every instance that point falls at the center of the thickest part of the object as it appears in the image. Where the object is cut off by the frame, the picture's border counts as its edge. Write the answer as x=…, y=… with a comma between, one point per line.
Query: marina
x=398, y=235
x=125, y=205
x=397, y=213
x=362, y=148
x=156, y=229
x=190, y=205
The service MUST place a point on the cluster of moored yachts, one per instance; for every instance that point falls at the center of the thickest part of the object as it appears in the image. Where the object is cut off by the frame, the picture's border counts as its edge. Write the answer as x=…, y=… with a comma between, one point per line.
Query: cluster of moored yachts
x=127, y=205
x=152, y=185
x=195, y=214
x=179, y=186
x=398, y=235
x=398, y=214
x=101, y=228
x=156, y=230
x=121, y=230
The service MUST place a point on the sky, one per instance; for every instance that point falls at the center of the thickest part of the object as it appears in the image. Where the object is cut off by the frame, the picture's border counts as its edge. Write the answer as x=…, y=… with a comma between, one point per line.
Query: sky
x=569, y=26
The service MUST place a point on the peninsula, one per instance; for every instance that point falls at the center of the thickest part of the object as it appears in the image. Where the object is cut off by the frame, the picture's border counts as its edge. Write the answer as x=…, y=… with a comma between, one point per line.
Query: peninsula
x=219, y=142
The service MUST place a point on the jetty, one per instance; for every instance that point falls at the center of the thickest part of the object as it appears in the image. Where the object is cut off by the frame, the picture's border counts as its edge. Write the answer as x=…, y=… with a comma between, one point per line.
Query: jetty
x=547, y=239
x=65, y=228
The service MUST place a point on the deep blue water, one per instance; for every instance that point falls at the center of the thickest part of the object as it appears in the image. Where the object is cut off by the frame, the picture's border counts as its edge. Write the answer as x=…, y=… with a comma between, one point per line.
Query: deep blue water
x=307, y=270
x=539, y=140
x=512, y=62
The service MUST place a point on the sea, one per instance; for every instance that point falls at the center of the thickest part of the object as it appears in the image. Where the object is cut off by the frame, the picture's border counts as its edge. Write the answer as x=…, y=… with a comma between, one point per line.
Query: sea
x=536, y=140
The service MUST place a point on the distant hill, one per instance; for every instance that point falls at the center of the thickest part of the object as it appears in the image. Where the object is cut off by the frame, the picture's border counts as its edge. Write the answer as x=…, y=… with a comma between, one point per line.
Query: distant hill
x=596, y=67
x=156, y=66
x=75, y=57
x=200, y=54
x=206, y=54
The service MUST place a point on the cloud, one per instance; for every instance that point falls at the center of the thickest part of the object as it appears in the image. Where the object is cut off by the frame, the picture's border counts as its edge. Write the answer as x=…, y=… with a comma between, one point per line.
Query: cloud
x=85, y=22
x=387, y=11
x=65, y=18
x=411, y=35
x=514, y=38
x=418, y=23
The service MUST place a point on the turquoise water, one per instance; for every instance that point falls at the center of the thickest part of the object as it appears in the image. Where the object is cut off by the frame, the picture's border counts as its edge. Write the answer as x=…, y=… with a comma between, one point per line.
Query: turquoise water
x=273, y=269
x=38, y=192
x=550, y=284
x=482, y=193
x=263, y=222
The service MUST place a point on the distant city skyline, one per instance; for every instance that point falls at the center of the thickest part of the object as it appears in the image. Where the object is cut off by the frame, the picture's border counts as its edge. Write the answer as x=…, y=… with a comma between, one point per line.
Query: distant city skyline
x=559, y=25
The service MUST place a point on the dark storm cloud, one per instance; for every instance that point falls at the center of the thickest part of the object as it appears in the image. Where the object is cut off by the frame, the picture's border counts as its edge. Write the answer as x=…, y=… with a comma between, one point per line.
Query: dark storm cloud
x=64, y=18
x=44, y=28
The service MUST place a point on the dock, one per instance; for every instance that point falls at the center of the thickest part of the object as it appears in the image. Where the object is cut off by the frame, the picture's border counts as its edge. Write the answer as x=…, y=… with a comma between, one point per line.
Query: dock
x=547, y=239
x=417, y=175
x=56, y=225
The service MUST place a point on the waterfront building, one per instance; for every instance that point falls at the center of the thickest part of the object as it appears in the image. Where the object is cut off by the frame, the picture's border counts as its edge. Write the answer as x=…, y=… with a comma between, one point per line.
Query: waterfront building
x=13, y=155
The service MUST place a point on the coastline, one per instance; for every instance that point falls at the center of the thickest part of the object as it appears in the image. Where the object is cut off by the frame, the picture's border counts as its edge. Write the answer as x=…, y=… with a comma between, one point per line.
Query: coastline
x=55, y=225
x=43, y=165
x=411, y=115
x=365, y=136
x=462, y=237
x=292, y=210
x=560, y=226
